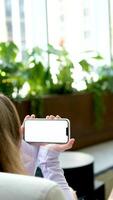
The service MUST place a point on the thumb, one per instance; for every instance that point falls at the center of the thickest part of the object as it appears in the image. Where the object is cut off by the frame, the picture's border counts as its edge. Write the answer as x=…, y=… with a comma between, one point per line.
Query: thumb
x=22, y=126
x=69, y=144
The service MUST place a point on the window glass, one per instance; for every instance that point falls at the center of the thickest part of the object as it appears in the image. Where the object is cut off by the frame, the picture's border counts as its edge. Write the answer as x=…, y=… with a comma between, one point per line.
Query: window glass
x=25, y=22
x=8, y=8
x=82, y=24
x=83, y=28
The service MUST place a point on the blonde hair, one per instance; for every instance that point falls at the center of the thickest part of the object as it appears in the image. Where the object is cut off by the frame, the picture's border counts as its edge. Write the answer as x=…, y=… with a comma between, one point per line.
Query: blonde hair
x=10, y=137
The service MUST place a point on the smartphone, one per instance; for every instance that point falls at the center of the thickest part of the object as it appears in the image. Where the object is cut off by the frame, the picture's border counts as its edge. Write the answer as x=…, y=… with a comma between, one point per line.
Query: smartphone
x=47, y=131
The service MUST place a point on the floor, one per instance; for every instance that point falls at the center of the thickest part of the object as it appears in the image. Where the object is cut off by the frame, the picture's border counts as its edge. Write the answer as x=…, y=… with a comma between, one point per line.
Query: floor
x=103, y=156
x=103, y=163
x=107, y=178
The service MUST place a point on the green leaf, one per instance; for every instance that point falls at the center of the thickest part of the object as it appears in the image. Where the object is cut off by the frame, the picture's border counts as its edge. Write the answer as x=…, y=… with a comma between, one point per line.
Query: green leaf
x=85, y=65
x=8, y=51
x=98, y=57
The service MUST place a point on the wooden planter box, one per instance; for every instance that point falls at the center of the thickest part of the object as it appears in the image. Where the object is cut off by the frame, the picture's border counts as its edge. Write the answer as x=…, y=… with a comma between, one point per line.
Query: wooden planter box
x=79, y=109
x=23, y=108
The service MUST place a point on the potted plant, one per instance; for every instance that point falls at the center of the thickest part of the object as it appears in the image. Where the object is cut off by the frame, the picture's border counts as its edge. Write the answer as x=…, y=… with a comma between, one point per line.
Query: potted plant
x=90, y=110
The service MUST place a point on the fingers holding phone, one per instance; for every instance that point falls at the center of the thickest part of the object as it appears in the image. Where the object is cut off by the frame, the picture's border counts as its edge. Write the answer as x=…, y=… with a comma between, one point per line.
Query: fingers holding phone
x=47, y=130
x=22, y=126
x=52, y=132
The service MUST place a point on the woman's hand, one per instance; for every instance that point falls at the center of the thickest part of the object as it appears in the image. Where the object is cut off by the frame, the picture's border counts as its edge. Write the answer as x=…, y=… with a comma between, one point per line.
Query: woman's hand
x=54, y=147
x=59, y=147
x=22, y=126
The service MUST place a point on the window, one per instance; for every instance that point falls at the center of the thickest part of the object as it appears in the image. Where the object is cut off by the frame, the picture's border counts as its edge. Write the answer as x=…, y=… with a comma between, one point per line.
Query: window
x=83, y=24
x=21, y=5
x=84, y=28
x=8, y=8
x=9, y=30
x=8, y=13
x=25, y=22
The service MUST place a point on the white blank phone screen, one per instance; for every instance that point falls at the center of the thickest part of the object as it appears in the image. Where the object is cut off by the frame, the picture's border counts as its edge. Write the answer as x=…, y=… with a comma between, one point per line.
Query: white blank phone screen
x=53, y=131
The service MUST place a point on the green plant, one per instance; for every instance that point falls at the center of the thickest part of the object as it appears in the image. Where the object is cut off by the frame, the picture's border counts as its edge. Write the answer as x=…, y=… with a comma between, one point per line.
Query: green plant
x=98, y=88
x=34, y=71
x=64, y=75
x=37, y=75
x=10, y=70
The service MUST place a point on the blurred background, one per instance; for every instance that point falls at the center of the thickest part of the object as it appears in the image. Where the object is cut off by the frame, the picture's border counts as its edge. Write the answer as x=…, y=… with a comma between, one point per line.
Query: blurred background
x=56, y=57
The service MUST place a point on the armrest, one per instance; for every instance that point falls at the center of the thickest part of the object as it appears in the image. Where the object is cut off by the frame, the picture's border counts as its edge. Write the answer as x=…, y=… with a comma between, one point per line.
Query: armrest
x=22, y=187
